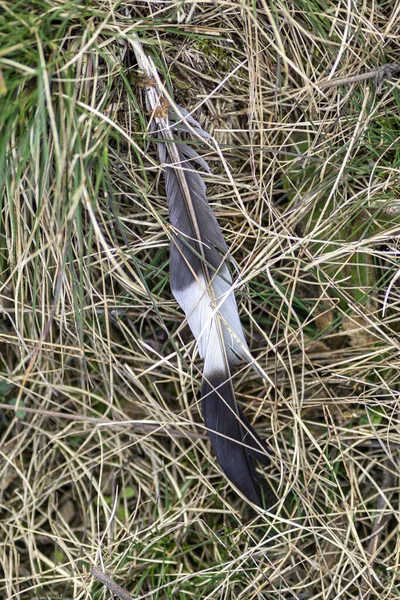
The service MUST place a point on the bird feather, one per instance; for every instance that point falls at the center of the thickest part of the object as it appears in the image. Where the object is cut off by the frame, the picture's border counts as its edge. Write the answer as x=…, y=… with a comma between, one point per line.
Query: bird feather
x=202, y=285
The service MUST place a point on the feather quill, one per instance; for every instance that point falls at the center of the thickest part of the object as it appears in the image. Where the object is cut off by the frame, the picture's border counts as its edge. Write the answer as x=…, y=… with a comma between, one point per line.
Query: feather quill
x=201, y=284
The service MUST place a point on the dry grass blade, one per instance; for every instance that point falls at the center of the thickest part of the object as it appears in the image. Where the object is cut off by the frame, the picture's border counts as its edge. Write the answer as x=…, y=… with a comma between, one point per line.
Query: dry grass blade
x=94, y=365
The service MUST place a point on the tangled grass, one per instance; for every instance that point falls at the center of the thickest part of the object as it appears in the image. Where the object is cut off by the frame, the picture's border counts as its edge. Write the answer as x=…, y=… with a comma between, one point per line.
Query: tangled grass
x=103, y=457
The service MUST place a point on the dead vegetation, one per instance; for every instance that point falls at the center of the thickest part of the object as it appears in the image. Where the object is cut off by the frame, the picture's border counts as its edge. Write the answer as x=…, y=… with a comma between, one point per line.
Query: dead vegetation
x=103, y=457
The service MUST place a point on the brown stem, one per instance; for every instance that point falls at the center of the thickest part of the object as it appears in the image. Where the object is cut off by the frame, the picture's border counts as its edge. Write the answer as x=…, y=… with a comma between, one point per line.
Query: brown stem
x=378, y=74
x=116, y=589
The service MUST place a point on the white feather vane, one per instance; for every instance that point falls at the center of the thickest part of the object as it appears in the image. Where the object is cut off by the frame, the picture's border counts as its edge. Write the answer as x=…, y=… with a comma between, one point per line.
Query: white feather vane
x=202, y=285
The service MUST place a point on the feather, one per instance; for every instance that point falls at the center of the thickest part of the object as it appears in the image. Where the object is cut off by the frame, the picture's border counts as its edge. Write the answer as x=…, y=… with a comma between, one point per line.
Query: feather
x=202, y=285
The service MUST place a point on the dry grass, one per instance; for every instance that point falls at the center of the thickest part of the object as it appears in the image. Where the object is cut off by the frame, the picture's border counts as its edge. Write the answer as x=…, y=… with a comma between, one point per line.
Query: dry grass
x=103, y=457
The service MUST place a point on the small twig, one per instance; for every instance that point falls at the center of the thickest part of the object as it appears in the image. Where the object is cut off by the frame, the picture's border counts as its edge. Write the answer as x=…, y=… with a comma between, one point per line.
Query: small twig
x=116, y=589
x=378, y=74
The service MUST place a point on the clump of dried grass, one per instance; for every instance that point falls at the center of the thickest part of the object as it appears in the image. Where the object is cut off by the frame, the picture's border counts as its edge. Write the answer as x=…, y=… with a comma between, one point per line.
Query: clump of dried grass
x=103, y=456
